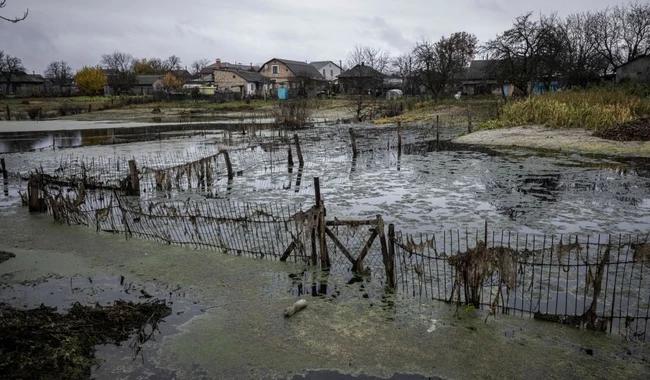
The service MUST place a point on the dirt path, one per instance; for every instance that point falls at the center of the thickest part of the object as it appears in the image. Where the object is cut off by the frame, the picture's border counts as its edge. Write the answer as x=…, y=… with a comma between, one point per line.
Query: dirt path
x=243, y=334
x=570, y=140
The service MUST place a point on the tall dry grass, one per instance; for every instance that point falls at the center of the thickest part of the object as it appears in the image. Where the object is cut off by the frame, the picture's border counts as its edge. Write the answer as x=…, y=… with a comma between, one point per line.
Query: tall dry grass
x=596, y=108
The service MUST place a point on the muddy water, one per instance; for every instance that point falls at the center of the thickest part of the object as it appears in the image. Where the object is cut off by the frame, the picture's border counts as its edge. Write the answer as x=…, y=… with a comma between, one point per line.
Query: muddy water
x=429, y=188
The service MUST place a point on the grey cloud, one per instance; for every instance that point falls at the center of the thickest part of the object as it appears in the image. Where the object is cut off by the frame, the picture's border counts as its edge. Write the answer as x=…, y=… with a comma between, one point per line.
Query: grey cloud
x=80, y=31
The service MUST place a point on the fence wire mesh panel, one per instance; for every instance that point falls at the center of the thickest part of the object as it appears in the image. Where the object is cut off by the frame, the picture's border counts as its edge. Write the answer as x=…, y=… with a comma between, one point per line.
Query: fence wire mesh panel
x=599, y=283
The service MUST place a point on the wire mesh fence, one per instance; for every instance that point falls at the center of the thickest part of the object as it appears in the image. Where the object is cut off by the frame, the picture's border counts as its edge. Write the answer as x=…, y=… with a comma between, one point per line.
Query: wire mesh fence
x=600, y=283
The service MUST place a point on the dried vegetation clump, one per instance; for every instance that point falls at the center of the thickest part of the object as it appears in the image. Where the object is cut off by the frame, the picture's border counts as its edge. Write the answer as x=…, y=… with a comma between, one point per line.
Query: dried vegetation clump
x=41, y=343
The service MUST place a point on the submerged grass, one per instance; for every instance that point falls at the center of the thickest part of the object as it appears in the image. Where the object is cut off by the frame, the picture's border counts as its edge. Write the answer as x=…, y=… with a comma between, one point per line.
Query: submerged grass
x=594, y=109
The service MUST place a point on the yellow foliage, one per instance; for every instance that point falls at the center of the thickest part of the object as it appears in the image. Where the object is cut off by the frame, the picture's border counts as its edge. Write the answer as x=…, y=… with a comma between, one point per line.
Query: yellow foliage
x=171, y=82
x=90, y=80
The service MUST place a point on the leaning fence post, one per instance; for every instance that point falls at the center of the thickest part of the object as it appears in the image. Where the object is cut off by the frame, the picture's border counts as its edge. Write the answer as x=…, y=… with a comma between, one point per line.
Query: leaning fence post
x=298, y=150
x=390, y=275
x=3, y=168
x=324, y=255
x=135, y=180
x=354, y=143
x=384, y=250
x=399, y=139
x=226, y=157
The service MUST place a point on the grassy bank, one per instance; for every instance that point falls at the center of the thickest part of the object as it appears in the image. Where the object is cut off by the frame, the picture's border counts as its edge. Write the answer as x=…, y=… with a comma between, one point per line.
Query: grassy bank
x=594, y=109
x=451, y=112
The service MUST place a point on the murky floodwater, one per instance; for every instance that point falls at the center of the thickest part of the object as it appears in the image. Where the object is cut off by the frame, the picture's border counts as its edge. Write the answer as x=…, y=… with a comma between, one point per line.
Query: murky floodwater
x=431, y=187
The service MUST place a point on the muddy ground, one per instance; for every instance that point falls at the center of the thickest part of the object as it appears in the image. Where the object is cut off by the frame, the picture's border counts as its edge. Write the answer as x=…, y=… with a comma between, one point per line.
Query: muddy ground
x=241, y=332
x=567, y=140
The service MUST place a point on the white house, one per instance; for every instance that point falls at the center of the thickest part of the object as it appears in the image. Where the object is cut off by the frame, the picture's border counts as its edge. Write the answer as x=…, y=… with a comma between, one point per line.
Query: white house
x=328, y=69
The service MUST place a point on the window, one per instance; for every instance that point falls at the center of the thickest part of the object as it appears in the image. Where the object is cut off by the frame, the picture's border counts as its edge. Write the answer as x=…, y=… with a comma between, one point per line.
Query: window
x=276, y=69
x=233, y=77
x=323, y=72
x=332, y=73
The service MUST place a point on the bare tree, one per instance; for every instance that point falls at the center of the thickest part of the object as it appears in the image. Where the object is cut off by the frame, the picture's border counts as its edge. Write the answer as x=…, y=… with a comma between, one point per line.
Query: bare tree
x=9, y=66
x=121, y=77
x=440, y=64
x=199, y=65
x=172, y=63
x=3, y=3
x=580, y=61
x=374, y=57
x=59, y=72
x=405, y=67
x=622, y=33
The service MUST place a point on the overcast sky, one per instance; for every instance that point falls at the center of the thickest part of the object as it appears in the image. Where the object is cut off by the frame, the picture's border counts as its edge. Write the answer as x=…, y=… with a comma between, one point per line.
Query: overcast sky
x=80, y=31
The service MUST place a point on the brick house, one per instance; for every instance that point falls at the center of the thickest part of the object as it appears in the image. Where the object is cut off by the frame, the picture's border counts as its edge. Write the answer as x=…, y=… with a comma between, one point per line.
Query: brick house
x=243, y=82
x=301, y=78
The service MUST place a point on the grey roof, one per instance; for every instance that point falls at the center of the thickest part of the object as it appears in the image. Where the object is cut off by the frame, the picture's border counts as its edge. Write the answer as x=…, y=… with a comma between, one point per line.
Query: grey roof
x=479, y=70
x=227, y=65
x=146, y=80
x=249, y=76
x=301, y=69
x=635, y=59
x=361, y=71
x=320, y=64
x=24, y=78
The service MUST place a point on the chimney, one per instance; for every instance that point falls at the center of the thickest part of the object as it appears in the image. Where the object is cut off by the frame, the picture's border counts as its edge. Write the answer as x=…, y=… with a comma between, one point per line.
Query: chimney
x=218, y=64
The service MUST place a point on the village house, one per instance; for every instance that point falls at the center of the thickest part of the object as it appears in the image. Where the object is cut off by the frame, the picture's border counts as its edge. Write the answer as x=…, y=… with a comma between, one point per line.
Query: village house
x=637, y=70
x=242, y=82
x=479, y=79
x=328, y=69
x=301, y=78
x=361, y=79
x=144, y=84
x=22, y=84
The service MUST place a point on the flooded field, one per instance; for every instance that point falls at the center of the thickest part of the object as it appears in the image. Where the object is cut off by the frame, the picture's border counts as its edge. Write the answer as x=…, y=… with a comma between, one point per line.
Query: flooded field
x=430, y=187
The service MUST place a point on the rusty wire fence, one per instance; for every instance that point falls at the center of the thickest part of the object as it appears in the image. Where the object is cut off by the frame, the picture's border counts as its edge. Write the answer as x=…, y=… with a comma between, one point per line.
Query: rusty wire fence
x=600, y=283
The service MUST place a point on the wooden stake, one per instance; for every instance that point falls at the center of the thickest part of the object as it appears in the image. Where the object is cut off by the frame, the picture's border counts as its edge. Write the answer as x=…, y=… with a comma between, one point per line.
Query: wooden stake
x=8, y=113
x=437, y=128
x=226, y=157
x=135, y=180
x=298, y=150
x=469, y=120
x=289, y=157
x=399, y=140
x=317, y=191
x=384, y=249
x=354, y=143
x=4, y=169
x=33, y=190
x=391, y=254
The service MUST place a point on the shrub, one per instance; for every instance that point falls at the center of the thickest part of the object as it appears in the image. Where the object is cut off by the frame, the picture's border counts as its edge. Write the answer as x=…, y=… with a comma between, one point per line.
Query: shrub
x=292, y=114
x=34, y=113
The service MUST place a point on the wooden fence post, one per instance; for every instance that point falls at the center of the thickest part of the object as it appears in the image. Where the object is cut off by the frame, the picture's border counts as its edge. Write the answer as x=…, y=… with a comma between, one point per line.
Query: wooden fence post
x=469, y=119
x=8, y=113
x=289, y=157
x=135, y=180
x=4, y=169
x=384, y=251
x=33, y=189
x=301, y=162
x=399, y=139
x=354, y=143
x=437, y=128
x=391, y=255
x=226, y=157
x=322, y=241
